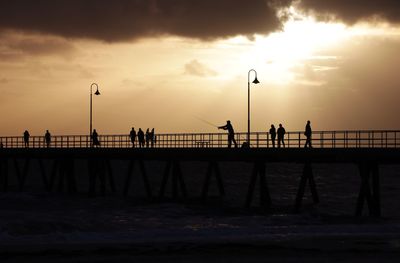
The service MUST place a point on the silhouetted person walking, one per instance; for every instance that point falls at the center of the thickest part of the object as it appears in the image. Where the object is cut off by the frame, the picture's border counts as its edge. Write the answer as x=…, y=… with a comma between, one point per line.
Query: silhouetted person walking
x=308, y=133
x=47, y=138
x=231, y=133
x=147, y=138
x=132, y=135
x=281, y=136
x=152, y=138
x=26, y=138
x=140, y=136
x=272, y=132
x=95, y=138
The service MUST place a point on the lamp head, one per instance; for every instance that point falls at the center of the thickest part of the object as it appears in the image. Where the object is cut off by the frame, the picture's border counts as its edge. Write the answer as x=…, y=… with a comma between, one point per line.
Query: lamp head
x=255, y=81
x=97, y=92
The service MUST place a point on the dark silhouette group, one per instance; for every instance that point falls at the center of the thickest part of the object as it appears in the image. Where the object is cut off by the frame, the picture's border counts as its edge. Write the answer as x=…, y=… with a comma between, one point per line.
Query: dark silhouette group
x=281, y=135
x=272, y=132
x=148, y=139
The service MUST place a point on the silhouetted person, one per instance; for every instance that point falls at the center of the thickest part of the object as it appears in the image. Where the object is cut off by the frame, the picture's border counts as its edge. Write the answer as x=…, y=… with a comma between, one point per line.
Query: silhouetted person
x=95, y=138
x=132, y=135
x=281, y=136
x=140, y=136
x=26, y=138
x=308, y=133
x=47, y=138
x=231, y=133
x=272, y=132
x=152, y=138
x=147, y=137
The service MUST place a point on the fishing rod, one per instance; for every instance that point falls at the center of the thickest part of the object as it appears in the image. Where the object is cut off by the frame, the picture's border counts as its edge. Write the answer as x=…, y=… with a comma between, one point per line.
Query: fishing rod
x=209, y=123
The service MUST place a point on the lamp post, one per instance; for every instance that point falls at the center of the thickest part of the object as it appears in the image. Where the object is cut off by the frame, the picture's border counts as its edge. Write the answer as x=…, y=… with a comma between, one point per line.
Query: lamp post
x=255, y=81
x=91, y=103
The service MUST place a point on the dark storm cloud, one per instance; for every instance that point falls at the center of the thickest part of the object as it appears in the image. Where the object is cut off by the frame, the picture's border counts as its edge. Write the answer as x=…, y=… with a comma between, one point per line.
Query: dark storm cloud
x=15, y=46
x=352, y=11
x=120, y=20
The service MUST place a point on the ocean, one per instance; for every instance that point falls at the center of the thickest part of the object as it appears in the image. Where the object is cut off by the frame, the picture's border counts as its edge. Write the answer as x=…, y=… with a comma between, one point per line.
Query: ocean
x=37, y=226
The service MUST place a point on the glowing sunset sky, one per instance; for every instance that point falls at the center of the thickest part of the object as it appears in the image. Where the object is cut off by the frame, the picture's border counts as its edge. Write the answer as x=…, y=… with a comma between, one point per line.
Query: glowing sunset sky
x=168, y=63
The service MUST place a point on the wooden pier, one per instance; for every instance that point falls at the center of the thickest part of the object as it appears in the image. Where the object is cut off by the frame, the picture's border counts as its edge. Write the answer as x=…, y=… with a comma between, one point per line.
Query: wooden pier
x=17, y=162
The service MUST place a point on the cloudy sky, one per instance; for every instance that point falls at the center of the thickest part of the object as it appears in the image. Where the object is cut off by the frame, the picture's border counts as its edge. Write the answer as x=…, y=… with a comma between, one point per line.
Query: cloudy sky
x=178, y=65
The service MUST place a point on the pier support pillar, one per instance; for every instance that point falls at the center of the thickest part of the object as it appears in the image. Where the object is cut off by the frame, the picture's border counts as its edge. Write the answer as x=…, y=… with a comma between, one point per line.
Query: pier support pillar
x=100, y=169
x=21, y=176
x=213, y=167
x=178, y=184
x=4, y=174
x=306, y=175
x=146, y=182
x=265, y=198
x=372, y=199
x=63, y=171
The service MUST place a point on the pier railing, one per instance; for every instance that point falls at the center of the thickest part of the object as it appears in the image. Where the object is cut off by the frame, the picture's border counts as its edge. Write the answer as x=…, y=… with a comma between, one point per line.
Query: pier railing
x=320, y=139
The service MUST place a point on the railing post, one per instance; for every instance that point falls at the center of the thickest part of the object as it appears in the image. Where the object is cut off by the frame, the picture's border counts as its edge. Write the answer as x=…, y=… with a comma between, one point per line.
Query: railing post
x=334, y=139
x=258, y=139
x=369, y=139
x=386, y=138
x=299, y=139
x=322, y=139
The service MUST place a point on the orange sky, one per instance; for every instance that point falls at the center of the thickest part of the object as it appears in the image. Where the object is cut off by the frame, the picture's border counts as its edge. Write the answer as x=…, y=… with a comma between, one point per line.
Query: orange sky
x=340, y=74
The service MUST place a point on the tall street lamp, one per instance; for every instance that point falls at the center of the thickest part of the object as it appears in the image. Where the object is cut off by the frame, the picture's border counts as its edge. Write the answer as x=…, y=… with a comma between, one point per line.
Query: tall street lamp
x=255, y=81
x=91, y=103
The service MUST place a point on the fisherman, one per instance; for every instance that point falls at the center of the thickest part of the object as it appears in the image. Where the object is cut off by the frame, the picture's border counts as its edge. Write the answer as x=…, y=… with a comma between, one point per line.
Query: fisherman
x=231, y=133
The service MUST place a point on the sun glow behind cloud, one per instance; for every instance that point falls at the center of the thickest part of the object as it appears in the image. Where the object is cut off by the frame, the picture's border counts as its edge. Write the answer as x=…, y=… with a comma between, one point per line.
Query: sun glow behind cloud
x=302, y=38
x=299, y=40
x=183, y=77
